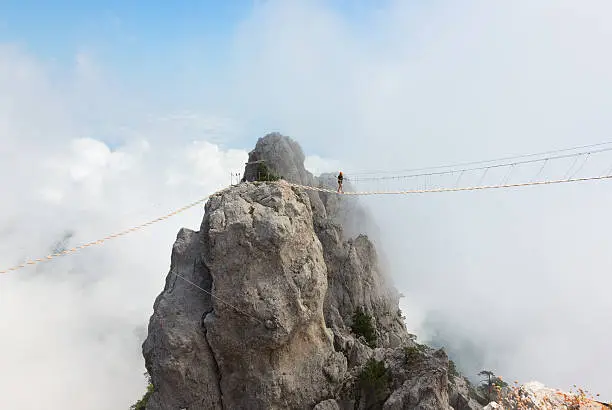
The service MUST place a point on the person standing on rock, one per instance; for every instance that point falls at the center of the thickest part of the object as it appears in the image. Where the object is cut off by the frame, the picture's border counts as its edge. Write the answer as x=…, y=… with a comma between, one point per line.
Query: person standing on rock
x=340, y=179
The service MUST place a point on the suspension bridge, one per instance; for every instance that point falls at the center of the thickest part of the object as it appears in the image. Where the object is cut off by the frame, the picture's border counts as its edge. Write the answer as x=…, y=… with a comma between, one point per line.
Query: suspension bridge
x=430, y=180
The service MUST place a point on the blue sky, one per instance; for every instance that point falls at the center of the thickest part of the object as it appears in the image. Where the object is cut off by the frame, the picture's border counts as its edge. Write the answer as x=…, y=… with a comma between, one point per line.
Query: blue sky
x=125, y=35
x=169, y=54
x=121, y=32
x=164, y=55
x=63, y=26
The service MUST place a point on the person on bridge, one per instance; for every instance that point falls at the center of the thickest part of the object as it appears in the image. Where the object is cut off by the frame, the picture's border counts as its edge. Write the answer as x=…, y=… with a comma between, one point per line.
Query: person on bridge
x=340, y=179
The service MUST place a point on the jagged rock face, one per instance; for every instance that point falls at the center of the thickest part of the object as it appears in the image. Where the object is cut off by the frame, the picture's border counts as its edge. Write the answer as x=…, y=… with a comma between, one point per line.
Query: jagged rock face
x=346, y=210
x=177, y=355
x=263, y=344
x=534, y=395
x=415, y=378
x=459, y=394
x=424, y=383
x=266, y=261
x=283, y=156
x=355, y=282
x=277, y=332
x=354, y=278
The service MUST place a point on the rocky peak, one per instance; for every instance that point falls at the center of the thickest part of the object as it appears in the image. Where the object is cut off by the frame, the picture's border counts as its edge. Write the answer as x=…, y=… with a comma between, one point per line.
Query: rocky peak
x=275, y=304
x=282, y=155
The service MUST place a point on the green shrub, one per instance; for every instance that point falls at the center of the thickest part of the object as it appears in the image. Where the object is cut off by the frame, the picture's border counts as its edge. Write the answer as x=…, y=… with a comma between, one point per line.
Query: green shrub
x=362, y=326
x=142, y=403
x=452, y=369
x=374, y=380
x=412, y=354
x=488, y=386
x=264, y=174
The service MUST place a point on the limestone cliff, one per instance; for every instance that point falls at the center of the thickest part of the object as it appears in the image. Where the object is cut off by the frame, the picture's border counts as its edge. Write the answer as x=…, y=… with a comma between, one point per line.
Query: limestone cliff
x=279, y=301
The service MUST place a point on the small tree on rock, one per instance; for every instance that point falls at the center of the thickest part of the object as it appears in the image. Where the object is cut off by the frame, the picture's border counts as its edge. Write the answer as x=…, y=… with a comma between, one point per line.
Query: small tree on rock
x=490, y=383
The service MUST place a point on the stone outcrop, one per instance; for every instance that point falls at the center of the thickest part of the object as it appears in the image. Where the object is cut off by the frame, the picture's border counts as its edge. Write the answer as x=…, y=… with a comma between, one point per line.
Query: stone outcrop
x=280, y=302
x=269, y=334
x=354, y=275
x=459, y=394
x=178, y=357
x=534, y=395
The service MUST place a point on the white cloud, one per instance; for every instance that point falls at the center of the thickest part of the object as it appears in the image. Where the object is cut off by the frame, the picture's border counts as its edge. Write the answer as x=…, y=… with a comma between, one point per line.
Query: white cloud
x=72, y=328
x=318, y=165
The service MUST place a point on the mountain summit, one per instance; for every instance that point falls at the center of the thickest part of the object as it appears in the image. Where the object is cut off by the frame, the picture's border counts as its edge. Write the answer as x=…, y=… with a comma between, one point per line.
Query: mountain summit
x=279, y=302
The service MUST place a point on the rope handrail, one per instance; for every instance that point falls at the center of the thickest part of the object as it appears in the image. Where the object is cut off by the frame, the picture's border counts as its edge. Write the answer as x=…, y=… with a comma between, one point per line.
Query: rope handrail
x=307, y=187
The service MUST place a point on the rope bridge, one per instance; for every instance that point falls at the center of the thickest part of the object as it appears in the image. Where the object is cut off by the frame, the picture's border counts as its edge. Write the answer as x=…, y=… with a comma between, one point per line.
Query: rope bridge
x=569, y=177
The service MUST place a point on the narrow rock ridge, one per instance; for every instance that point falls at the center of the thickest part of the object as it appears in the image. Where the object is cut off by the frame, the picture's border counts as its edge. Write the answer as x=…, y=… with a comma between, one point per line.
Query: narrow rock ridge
x=303, y=316
x=177, y=354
